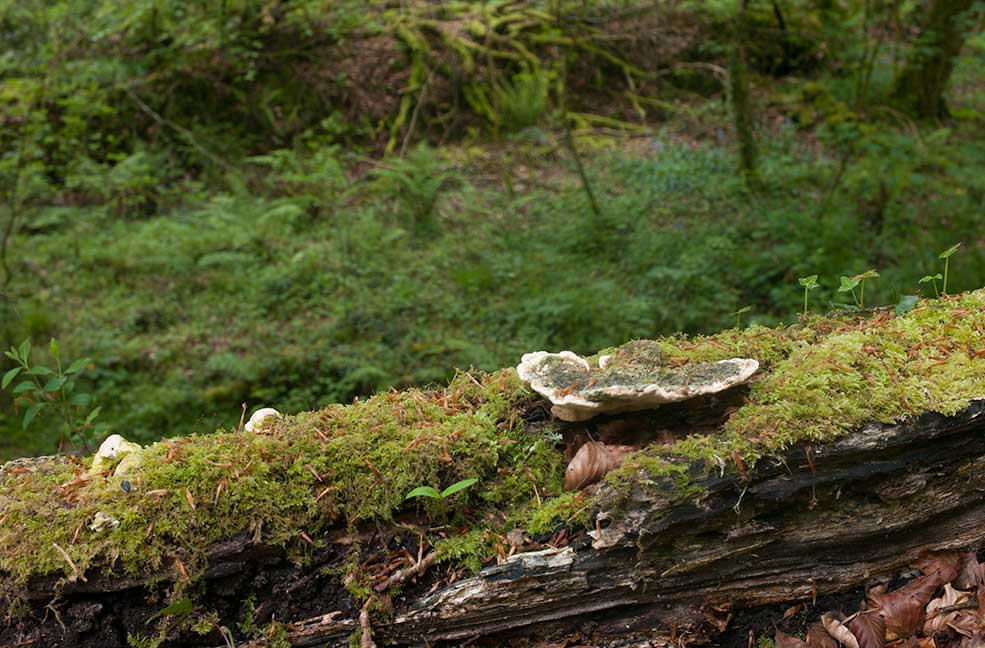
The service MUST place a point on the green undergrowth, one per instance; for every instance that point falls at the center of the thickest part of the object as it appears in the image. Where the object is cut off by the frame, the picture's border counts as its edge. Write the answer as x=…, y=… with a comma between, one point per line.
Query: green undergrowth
x=349, y=465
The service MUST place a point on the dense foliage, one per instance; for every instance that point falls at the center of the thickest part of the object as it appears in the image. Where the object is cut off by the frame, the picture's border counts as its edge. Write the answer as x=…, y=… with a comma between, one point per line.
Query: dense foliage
x=295, y=202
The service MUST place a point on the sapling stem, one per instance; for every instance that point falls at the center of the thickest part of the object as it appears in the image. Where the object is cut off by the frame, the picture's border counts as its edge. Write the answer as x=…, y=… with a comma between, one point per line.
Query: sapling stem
x=947, y=261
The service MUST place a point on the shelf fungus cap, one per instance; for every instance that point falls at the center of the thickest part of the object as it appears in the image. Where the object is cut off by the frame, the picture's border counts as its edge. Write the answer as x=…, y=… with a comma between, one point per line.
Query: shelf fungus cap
x=259, y=417
x=112, y=450
x=633, y=377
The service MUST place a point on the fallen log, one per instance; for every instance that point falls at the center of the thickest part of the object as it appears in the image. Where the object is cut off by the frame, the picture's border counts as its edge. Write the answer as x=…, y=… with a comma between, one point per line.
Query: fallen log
x=667, y=547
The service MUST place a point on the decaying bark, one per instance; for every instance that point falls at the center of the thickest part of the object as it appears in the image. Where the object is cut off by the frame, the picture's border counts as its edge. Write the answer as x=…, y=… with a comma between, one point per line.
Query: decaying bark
x=819, y=519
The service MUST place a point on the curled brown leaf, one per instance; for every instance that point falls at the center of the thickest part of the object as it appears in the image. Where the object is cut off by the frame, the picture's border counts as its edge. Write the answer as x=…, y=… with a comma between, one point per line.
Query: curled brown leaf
x=938, y=620
x=833, y=622
x=592, y=461
x=902, y=611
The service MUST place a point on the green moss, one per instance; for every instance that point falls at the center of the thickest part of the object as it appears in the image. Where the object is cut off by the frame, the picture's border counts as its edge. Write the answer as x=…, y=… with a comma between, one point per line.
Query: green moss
x=825, y=377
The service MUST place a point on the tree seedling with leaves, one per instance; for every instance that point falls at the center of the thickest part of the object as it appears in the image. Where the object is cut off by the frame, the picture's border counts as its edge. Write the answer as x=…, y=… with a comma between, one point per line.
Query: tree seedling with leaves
x=934, y=278
x=849, y=284
x=946, y=255
x=427, y=491
x=809, y=283
x=738, y=315
x=43, y=388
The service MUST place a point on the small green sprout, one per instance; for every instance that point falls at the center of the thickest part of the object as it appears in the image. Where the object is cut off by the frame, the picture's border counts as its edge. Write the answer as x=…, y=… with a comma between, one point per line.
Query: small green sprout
x=946, y=255
x=809, y=283
x=934, y=278
x=427, y=491
x=849, y=284
x=906, y=304
x=738, y=315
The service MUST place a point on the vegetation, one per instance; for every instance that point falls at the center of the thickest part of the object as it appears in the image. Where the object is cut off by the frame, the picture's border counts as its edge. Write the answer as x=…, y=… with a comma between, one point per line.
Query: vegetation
x=213, y=202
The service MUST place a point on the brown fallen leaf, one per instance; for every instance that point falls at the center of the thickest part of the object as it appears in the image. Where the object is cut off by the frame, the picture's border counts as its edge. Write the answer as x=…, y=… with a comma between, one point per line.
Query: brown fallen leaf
x=940, y=566
x=833, y=622
x=783, y=640
x=971, y=574
x=927, y=642
x=793, y=610
x=592, y=461
x=869, y=628
x=818, y=637
x=903, y=610
x=937, y=620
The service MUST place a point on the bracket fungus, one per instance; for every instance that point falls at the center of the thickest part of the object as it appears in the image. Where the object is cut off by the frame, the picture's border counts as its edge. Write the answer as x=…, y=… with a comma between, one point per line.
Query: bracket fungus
x=632, y=378
x=259, y=417
x=116, y=449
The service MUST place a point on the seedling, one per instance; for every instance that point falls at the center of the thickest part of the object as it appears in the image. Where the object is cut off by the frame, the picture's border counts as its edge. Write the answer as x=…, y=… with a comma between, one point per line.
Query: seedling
x=946, y=255
x=738, y=315
x=933, y=278
x=849, y=284
x=427, y=491
x=809, y=283
x=43, y=388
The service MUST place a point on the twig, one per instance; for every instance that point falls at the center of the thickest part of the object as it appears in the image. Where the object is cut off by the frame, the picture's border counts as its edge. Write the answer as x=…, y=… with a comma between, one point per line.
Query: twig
x=78, y=574
x=413, y=115
x=366, y=634
x=188, y=135
x=408, y=572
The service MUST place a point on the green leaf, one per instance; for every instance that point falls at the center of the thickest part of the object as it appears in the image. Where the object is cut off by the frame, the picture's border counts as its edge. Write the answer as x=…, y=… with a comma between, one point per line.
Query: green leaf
x=744, y=309
x=906, y=304
x=457, y=486
x=868, y=274
x=949, y=251
x=30, y=413
x=77, y=365
x=12, y=354
x=53, y=385
x=930, y=278
x=848, y=283
x=80, y=400
x=93, y=414
x=39, y=371
x=53, y=346
x=25, y=350
x=24, y=386
x=181, y=607
x=423, y=491
x=810, y=283
x=9, y=377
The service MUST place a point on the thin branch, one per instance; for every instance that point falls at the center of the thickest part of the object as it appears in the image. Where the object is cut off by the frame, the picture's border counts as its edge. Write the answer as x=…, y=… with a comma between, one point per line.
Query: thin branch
x=188, y=135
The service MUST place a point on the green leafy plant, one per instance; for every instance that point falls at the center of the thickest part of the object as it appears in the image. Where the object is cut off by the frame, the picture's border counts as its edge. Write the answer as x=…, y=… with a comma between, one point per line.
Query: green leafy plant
x=809, y=283
x=738, y=315
x=43, y=388
x=849, y=284
x=427, y=491
x=906, y=304
x=946, y=255
x=933, y=278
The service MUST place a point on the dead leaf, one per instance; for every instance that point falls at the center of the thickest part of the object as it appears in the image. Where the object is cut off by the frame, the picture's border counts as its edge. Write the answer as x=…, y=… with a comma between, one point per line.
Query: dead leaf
x=941, y=566
x=592, y=461
x=870, y=629
x=971, y=574
x=902, y=611
x=793, y=610
x=936, y=620
x=818, y=637
x=833, y=623
x=783, y=640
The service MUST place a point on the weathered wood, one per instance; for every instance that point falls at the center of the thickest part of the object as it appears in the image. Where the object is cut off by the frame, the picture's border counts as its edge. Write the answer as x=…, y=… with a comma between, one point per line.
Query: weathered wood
x=815, y=520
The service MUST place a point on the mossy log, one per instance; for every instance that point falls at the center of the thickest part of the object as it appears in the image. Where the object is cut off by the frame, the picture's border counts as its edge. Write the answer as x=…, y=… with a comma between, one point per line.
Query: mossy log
x=818, y=519
x=770, y=492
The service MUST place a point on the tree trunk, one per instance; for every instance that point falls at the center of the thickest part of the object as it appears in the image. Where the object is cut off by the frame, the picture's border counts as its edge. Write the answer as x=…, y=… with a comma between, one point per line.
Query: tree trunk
x=818, y=519
x=739, y=90
x=920, y=87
